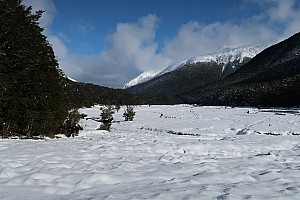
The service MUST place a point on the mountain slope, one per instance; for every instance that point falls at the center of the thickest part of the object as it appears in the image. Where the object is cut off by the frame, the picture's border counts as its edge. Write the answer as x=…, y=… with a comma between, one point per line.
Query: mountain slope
x=179, y=80
x=225, y=57
x=194, y=73
x=271, y=78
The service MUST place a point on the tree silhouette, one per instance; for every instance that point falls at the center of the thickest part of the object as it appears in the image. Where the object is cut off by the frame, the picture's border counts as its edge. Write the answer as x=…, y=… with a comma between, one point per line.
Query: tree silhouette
x=31, y=91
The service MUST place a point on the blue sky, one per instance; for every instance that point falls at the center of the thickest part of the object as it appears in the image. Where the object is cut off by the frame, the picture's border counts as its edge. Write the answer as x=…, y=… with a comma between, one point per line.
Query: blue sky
x=109, y=42
x=88, y=25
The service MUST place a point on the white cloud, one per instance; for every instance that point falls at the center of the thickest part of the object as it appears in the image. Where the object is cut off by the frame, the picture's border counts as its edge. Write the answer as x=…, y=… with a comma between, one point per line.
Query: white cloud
x=132, y=48
x=134, y=44
x=287, y=13
x=45, y=5
x=194, y=39
x=279, y=16
x=60, y=49
x=282, y=11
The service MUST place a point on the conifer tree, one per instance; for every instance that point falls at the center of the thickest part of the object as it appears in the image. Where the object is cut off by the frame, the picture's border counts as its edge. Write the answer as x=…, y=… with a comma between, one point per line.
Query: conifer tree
x=129, y=113
x=107, y=113
x=31, y=91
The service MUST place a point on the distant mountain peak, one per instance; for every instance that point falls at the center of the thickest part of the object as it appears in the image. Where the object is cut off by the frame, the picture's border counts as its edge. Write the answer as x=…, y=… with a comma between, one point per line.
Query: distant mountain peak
x=222, y=57
x=143, y=77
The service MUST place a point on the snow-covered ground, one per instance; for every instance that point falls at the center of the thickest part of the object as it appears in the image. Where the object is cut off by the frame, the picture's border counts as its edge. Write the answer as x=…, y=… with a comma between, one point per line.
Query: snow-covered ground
x=222, y=153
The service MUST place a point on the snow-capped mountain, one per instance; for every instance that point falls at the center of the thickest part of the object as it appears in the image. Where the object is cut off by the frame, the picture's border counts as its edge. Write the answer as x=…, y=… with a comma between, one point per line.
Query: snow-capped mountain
x=271, y=78
x=222, y=57
x=229, y=55
x=143, y=77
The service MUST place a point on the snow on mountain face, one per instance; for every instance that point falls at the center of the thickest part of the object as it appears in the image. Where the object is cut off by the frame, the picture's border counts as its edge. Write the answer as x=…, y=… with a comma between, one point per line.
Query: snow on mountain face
x=71, y=79
x=146, y=76
x=143, y=77
x=229, y=55
x=222, y=57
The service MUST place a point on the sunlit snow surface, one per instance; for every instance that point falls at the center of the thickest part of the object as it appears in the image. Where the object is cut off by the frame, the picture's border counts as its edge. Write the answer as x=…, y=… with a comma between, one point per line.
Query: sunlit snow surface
x=225, y=153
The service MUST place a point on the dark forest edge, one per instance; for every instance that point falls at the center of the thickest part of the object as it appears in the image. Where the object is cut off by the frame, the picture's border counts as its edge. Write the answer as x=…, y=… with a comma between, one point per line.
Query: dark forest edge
x=87, y=94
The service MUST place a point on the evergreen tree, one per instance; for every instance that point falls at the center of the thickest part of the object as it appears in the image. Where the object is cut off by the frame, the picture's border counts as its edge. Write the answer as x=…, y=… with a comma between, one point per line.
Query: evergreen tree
x=106, y=117
x=107, y=113
x=129, y=113
x=31, y=93
x=71, y=125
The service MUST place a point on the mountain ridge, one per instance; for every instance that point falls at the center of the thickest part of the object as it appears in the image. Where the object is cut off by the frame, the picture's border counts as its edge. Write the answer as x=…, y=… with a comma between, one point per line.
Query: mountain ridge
x=272, y=78
x=221, y=57
x=194, y=73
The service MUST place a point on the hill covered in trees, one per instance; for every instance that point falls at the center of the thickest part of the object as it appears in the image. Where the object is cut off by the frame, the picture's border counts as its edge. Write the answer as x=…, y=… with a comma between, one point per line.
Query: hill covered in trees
x=271, y=78
x=88, y=94
x=189, y=75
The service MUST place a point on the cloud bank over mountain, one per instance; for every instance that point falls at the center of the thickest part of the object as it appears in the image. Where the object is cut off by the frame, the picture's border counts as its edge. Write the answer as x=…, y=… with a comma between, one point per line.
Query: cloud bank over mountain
x=133, y=47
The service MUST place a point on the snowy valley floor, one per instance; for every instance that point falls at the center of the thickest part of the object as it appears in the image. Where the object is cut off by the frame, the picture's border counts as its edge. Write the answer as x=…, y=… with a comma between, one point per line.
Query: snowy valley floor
x=220, y=153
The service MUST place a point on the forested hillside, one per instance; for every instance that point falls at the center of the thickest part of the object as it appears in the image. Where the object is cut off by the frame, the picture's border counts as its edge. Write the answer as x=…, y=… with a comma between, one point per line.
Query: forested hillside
x=189, y=75
x=269, y=79
x=88, y=94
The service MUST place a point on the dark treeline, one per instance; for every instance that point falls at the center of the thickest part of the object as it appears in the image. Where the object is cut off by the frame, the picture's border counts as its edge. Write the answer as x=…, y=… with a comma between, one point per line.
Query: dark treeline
x=87, y=94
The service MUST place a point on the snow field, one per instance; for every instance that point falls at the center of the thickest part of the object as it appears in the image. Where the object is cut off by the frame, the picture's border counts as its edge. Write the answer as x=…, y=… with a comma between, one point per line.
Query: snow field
x=220, y=153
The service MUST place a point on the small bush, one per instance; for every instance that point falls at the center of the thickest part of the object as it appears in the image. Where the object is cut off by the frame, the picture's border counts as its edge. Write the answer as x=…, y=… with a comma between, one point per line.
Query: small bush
x=105, y=126
x=106, y=117
x=107, y=113
x=71, y=126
